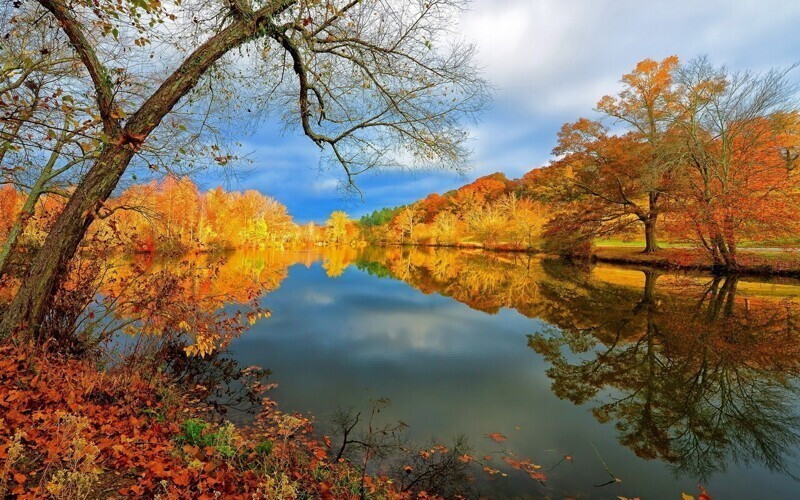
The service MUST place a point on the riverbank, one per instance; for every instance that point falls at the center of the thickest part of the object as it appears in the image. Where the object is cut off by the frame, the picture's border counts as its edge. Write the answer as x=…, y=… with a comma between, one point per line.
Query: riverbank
x=70, y=430
x=757, y=261
x=761, y=262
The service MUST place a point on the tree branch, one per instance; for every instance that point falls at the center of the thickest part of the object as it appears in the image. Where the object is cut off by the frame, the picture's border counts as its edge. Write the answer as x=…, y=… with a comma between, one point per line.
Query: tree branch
x=104, y=94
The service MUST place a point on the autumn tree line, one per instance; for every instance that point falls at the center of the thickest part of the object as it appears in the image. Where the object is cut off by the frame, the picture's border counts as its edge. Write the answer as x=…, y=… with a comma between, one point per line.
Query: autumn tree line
x=492, y=212
x=690, y=153
x=174, y=216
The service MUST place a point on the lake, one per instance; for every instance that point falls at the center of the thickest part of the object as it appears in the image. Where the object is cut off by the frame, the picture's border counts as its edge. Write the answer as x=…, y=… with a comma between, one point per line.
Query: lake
x=661, y=380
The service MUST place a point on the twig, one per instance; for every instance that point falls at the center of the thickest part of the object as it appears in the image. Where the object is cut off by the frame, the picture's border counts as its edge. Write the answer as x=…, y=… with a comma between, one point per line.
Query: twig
x=565, y=457
x=614, y=479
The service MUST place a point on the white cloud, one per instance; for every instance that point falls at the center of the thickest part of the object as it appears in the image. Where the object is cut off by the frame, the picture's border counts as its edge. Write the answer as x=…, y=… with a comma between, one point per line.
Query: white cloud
x=326, y=185
x=553, y=56
x=552, y=60
x=319, y=298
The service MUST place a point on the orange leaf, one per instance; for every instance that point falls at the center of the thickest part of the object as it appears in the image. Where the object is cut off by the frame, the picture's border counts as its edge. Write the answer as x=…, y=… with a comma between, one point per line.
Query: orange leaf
x=496, y=437
x=181, y=479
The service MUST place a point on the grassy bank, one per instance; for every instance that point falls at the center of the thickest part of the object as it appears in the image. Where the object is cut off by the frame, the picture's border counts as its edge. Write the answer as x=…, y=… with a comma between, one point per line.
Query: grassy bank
x=775, y=262
x=471, y=245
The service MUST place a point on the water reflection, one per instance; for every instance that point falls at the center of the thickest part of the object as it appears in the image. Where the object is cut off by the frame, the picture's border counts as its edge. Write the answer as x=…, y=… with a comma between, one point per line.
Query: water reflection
x=690, y=371
x=693, y=379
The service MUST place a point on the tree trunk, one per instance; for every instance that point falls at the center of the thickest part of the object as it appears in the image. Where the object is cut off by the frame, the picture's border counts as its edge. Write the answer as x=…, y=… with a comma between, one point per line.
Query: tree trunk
x=733, y=262
x=34, y=297
x=725, y=255
x=716, y=255
x=728, y=254
x=651, y=244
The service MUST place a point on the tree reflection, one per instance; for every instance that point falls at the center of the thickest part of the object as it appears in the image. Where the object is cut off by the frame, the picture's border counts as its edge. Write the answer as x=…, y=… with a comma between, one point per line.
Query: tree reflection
x=694, y=380
x=483, y=282
x=206, y=297
x=690, y=371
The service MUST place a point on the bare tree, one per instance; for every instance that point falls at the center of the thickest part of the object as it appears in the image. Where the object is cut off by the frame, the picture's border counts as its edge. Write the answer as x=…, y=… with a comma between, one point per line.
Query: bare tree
x=372, y=82
x=41, y=127
x=737, y=146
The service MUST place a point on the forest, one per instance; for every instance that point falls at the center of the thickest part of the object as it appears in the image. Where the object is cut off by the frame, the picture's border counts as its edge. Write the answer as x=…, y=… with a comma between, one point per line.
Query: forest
x=138, y=257
x=172, y=216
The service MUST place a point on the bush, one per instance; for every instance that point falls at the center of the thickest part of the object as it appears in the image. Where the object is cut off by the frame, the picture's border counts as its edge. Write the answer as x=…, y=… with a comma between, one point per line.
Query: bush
x=195, y=432
x=264, y=447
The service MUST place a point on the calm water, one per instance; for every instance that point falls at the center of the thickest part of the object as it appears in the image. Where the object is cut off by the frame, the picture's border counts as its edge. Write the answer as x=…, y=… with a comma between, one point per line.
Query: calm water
x=674, y=380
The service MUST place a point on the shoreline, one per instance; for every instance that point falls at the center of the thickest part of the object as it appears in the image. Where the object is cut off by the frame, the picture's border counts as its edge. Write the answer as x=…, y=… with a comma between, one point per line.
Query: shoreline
x=753, y=263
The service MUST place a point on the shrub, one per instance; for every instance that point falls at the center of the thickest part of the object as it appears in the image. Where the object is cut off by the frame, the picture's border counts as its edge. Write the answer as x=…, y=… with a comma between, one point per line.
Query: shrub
x=195, y=432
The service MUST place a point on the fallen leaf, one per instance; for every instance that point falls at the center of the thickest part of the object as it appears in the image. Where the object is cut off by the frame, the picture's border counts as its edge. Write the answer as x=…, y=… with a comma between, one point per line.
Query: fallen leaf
x=496, y=437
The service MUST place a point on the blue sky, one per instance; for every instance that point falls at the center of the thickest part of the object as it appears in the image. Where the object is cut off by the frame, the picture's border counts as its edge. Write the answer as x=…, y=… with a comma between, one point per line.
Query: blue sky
x=550, y=61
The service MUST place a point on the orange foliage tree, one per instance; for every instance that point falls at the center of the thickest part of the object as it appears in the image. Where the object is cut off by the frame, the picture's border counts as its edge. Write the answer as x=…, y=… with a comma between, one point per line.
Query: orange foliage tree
x=9, y=207
x=173, y=216
x=624, y=177
x=737, y=137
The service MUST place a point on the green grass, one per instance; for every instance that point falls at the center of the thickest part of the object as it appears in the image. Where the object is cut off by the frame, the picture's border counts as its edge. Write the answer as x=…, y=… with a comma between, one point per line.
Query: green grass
x=264, y=447
x=613, y=242
x=639, y=243
x=196, y=432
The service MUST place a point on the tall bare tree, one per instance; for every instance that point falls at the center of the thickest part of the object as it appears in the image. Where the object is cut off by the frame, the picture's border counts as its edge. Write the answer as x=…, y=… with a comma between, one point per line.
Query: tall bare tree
x=372, y=82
